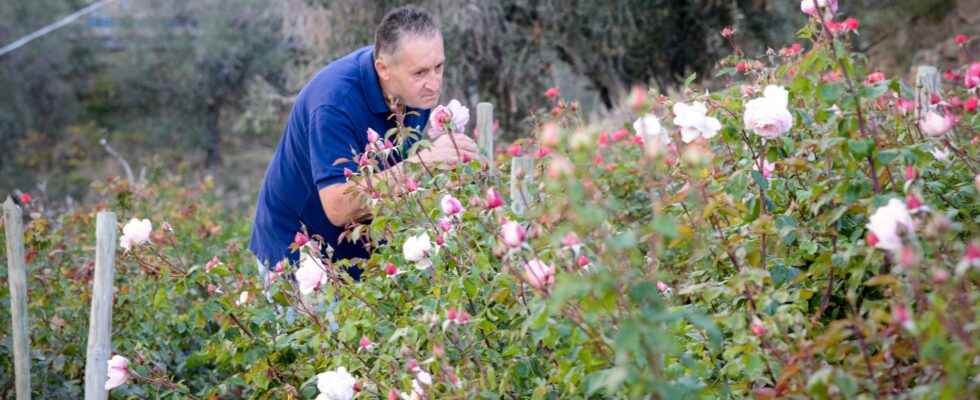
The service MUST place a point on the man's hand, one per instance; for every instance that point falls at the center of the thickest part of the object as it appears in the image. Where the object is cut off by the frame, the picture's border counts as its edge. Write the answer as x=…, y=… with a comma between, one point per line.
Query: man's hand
x=443, y=153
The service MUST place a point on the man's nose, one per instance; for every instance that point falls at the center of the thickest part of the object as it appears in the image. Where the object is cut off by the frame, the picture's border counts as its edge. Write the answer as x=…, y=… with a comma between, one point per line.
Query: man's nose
x=433, y=83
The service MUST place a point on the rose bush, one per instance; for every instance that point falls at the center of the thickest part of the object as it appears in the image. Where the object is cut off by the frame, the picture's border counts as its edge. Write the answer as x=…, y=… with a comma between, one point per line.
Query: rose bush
x=811, y=230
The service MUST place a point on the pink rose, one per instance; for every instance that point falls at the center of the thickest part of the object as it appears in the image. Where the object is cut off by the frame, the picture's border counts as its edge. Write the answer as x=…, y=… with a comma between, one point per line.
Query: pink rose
x=934, y=124
x=450, y=205
x=539, y=275
x=513, y=234
x=118, y=372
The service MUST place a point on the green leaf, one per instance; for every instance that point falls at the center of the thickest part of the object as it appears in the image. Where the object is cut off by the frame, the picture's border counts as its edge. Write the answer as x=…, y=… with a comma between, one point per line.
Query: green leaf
x=830, y=93
x=781, y=274
x=860, y=148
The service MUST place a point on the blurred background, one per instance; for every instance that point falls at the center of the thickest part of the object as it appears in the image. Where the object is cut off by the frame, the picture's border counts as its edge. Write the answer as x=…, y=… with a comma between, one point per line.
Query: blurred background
x=202, y=87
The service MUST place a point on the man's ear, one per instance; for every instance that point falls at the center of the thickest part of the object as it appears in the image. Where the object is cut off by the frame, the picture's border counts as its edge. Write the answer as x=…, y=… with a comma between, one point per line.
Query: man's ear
x=381, y=66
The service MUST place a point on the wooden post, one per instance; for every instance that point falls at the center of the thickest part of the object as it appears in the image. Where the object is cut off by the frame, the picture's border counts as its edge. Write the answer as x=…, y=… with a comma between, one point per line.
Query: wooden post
x=17, y=278
x=100, y=319
x=484, y=127
x=521, y=169
x=926, y=84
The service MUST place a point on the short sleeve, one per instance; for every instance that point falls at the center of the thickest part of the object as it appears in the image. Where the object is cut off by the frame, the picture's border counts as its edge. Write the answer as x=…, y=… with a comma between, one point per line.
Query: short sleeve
x=333, y=146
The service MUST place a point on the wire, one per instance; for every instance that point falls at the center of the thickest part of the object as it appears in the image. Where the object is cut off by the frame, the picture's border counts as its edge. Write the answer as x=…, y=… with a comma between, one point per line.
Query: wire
x=50, y=28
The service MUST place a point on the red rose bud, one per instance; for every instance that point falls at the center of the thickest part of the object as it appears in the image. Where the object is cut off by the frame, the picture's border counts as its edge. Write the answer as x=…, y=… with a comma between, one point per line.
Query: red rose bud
x=742, y=67
x=25, y=198
x=935, y=99
x=411, y=185
x=972, y=252
x=620, y=134
x=391, y=269
x=874, y=78
x=951, y=75
x=961, y=39
x=603, y=139
x=582, y=261
x=551, y=92
x=365, y=343
x=388, y=144
x=851, y=24
x=514, y=150
x=357, y=387
x=440, y=240
x=912, y=202
x=463, y=317
x=910, y=173
x=970, y=105
x=757, y=328
x=872, y=239
x=637, y=140
x=412, y=365
x=392, y=394
x=348, y=173
x=451, y=313
x=493, y=199
x=300, y=239
x=466, y=158
x=542, y=152
x=599, y=159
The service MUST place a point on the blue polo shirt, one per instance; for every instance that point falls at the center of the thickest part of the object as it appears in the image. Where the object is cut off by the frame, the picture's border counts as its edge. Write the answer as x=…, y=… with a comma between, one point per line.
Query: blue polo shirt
x=326, y=128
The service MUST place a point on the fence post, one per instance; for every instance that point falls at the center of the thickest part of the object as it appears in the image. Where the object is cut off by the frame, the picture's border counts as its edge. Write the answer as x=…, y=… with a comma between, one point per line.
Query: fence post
x=17, y=278
x=926, y=84
x=484, y=128
x=521, y=169
x=100, y=319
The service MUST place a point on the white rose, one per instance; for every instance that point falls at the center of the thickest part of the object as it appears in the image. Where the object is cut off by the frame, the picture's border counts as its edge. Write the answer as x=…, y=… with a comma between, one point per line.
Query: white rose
x=335, y=385
x=311, y=274
x=135, y=233
x=694, y=121
x=940, y=153
x=416, y=249
x=461, y=115
x=768, y=116
x=886, y=222
x=648, y=126
x=809, y=7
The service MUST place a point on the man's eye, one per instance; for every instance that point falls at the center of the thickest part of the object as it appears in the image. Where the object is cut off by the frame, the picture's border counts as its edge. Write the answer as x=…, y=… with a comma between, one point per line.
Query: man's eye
x=420, y=74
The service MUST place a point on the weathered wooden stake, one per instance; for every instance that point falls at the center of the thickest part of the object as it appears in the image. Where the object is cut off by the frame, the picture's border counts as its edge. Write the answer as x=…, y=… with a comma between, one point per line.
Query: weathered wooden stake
x=484, y=128
x=926, y=84
x=100, y=319
x=17, y=277
x=521, y=170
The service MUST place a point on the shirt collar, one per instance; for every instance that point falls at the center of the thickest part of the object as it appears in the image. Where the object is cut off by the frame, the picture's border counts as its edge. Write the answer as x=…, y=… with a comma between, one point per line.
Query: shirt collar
x=370, y=84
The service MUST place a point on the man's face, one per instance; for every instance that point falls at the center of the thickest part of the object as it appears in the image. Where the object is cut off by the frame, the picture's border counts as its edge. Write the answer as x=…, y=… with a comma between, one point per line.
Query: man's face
x=413, y=73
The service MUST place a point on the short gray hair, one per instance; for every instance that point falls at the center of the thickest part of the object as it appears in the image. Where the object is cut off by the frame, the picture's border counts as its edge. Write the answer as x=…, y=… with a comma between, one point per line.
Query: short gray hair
x=400, y=21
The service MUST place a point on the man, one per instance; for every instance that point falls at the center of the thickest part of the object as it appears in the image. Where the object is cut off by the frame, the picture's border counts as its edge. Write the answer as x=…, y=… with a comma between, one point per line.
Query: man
x=305, y=184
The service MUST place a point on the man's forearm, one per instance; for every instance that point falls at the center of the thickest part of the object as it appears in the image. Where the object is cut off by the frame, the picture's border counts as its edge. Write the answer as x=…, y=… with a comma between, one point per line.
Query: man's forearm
x=345, y=203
